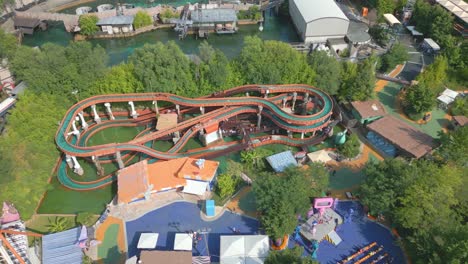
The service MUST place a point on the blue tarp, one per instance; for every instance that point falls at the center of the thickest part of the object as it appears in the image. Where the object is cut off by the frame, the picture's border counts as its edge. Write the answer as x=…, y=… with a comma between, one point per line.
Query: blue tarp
x=381, y=144
x=279, y=162
x=60, y=248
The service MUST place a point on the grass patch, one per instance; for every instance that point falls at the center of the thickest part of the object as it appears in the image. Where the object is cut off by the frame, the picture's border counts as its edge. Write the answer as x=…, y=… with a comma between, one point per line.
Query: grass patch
x=247, y=203
x=345, y=178
x=114, y=135
x=109, y=251
x=60, y=200
x=162, y=145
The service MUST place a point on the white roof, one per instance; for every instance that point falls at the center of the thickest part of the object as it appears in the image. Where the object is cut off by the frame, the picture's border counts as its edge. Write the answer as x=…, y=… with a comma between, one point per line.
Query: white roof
x=244, y=249
x=319, y=156
x=451, y=93
x=183, y=241
x=391, y=19
x=195, y=187
x=456, y=7
x=148, y=240
x=432, y=44
x=414, y=32
x=7, y=103
x=316, y=9
x=448, y=96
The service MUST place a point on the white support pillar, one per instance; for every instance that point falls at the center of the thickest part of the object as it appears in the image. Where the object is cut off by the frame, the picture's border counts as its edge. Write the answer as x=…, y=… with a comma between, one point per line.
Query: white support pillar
x=294, y=100
x=284, y=102
x=259, y=116
x=177, y=107
x=109, y=111
x=290, y=134
x=69, y=161
x=84, y=125
x=118, y=157
x=97, y=118
x=77, y=167
x=202, y=110
x=266, y=93
x=302, y=135
x=156, y=108
x=247, y=94
x=133, y=112
x=75, y=130
x=99, y=168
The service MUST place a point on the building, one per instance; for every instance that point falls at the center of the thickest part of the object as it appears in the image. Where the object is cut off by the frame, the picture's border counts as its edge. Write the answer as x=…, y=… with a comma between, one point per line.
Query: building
x=459, y=8
x=459, y=121
x=317, y=21
x=174, y=257
x=116, y=24
x=367, y=111
x=28, y=25
x=408, y=140
x=220, y=20
x=140, y=180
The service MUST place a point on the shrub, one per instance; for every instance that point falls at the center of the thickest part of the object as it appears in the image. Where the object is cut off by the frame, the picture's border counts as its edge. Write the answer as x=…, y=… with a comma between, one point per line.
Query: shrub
x=253, y=13
x=350, y=148
x=168, y=13
x=88, y=24
x=85, y=218
x=226, y=185
x=460, y=107
x=142, y=19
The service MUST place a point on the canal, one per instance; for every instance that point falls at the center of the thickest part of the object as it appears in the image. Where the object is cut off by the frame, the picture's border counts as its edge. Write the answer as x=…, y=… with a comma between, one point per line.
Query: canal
x=275, y=28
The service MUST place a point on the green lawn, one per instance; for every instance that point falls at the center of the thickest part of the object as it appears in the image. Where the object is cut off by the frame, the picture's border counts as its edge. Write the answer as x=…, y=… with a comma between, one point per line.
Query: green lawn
x=345, y=178
x=108, y=250
x=247, y=203
x=387, y=97
x=162, y=145
x=114, y=135
x=60, y=200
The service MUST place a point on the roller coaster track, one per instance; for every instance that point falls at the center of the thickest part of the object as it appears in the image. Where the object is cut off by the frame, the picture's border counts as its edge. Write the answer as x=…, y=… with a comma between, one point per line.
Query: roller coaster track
x=222, y=106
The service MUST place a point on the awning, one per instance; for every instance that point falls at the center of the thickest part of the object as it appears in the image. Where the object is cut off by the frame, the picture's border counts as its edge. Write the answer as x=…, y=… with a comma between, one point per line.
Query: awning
x=319, y=156
x=195, y=187
x=183, y=241
x=431, y=43
x=391, y=19
x=244, y=249
x=148, y=240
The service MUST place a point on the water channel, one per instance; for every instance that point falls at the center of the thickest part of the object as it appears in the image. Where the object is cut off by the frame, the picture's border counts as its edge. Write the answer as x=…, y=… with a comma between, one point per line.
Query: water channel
x=275, y=28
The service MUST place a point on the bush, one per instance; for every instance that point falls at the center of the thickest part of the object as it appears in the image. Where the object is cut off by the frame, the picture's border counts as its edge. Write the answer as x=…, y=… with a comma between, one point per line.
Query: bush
x=85, y=218
x=226, y=185
x=253, y=13
x=344, y=53
x=142, y=19
x=379, y=34
x=350, y=148
x=168, y=13
x=460, y=107
x=396, y=55
x=88, y=24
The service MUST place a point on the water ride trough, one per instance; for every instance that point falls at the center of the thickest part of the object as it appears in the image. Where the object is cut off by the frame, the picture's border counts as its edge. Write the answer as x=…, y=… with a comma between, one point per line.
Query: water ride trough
x=288, y=109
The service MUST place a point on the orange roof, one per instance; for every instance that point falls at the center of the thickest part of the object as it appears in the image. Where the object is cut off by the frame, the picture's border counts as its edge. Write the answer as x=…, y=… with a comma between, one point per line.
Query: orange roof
x=132, y=182
x=166, y=121
x=211, y=128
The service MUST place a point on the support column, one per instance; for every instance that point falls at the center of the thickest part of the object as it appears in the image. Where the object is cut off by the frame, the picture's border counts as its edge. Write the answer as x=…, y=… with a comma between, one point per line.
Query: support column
x=133, y=113
x=306, y=97
x=156, y=108
x=118, y=156
x=290, y=134
x=202, y=110
x=69, y=161
x=266, y=93
x=109, y=111
x=75, y=131
x=284, y=102
x=84, y=125
x=77, y=167
x=99, y=168
x=247, y=94
x=259, y=116
x=302, y=135
x=177, y=107
x=97, y=118
x=294, y=100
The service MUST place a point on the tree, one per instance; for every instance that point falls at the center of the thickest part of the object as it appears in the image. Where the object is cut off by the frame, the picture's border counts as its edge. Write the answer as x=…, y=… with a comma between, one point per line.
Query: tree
x=441, y=24
x=168, y=13
x=350, y=148
x=385, y=6
x=118, y=79
x=142, y=19
x=164, y=68
x=396, y=55
x=85, y=218
x=58, y=224
x=327, y=70
x=460, y=107
x=88, y=24
x=357, y=81
x=435, y=75
x=226, y=185
x=288, y=255
x=8, y=44
x=379, y=34
x=273, y=62
x=418, y=100
x=4, y=4
x=453, y=147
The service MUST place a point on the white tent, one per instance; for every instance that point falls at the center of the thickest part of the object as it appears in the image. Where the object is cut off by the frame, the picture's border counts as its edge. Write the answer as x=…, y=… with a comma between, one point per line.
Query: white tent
x=428, y=42
x=183, y=241
x=244, y=249
x=195, y=187
x=319, y=156
x=391, y=19
x=148, y=240
x=447, y=97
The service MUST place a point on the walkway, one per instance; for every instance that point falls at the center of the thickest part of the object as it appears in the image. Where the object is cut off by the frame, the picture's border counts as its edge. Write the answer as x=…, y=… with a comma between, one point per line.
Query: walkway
x=112, y=236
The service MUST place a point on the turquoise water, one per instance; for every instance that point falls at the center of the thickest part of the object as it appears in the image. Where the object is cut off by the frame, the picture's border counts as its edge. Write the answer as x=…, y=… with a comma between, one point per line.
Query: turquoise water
x=275, y=28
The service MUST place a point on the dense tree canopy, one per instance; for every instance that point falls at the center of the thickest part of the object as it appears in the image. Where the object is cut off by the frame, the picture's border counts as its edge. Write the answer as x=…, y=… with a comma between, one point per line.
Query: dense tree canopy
x=8, y=44
x=288, y=255
x=164, y=68
x=142, y=19
x=357, y=81
x=350, y=148
x=454, y=146
x=60, y=70
x=273, y=62
x=396, y=55
x=328, y=71
x=88, y=24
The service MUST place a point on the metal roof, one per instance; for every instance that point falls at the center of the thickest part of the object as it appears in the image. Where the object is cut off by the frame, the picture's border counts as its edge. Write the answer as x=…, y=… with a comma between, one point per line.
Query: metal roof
x=62, y=247
x=316, y=9
x=456, y=7
x=357, y=32
x=280, y=161
x=116, y=20
x=214, y=15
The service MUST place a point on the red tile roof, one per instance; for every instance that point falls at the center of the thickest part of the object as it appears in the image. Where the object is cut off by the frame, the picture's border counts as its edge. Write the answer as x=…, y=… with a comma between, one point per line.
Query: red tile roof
x=461, y=120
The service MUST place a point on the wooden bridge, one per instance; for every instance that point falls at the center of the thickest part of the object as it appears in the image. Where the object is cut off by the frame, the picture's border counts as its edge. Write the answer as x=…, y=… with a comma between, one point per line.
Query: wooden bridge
x=392, y=79
x=70, y=21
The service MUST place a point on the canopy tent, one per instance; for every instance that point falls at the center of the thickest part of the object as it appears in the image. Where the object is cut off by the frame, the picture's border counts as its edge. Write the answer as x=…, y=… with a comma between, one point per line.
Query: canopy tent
x=447, y=97
x=244, y=249
x=183, y=241
x=391, y=19
x=430, y=43
x=195, y=187
x=148, y=240
x=319, y=156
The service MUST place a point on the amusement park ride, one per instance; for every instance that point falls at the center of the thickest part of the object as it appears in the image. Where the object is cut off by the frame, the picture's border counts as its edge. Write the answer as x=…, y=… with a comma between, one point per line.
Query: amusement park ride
x=295, y=115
